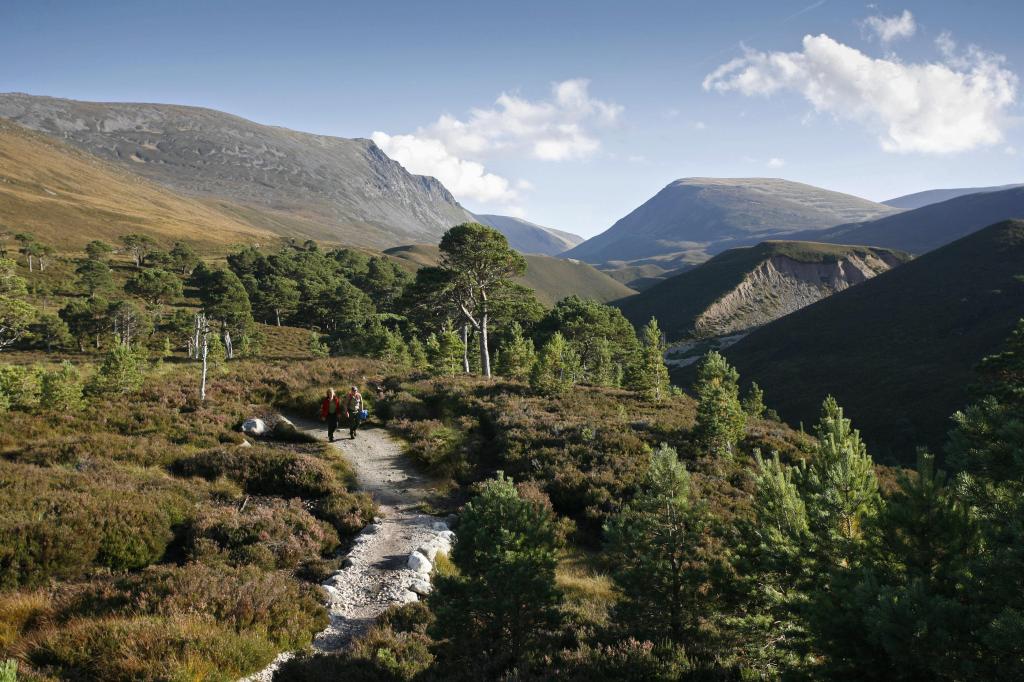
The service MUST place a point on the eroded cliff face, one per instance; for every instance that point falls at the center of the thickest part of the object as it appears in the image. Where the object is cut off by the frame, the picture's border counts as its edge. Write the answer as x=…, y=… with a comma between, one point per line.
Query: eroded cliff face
x=781, y=285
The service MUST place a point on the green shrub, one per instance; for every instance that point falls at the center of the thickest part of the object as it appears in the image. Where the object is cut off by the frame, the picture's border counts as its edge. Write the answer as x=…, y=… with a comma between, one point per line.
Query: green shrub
x=122, y=372
x=271, y=534
x=61, y=389
x=20, y=386
x=9, y=671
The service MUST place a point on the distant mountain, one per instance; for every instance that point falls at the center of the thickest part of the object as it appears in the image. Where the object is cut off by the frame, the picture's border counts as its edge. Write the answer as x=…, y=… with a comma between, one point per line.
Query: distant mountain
x=527, y=237
x=747, y=287
x=551, y=278
x=934, y=225
x=899, y=351
x=697, y=217
x=934, y=196
x=330, y=188
x=67, y=197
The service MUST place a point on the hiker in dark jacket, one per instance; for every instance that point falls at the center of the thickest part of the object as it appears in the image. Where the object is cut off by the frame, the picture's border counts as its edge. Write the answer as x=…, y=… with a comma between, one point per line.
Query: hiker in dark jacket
x=330, y=411
x=353, y=406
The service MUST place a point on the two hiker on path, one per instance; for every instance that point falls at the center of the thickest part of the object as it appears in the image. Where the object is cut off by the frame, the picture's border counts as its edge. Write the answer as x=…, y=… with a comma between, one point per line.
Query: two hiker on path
x=332, y=407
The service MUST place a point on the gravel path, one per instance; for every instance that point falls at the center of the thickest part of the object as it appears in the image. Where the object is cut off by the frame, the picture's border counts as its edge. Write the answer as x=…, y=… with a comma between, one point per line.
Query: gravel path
x=376, y=575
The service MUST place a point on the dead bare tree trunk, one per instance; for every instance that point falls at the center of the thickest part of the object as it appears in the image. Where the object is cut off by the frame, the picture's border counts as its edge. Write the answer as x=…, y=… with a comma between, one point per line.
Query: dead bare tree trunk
x=229, y=348
x=465, y=348
x=202, y=347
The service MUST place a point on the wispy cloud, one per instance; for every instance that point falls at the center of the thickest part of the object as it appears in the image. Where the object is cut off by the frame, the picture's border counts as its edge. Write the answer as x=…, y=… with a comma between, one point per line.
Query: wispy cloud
x=888, y=29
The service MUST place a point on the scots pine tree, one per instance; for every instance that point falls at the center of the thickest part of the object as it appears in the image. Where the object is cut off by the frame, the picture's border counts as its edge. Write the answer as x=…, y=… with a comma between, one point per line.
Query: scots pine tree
x=61, y=389
x=517, y=354
x=501, y=610
x=721, y=421
x=753, y=401
x=840, y=484
x=650, y=375
x=556, y=368
x=657, y=551
x=122, y=371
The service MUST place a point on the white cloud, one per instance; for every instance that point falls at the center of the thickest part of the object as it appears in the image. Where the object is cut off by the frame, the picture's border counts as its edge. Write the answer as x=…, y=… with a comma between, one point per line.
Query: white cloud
x=464, y=179
x=451, y=149
x=1010, y=150
x=700, y=125
x=776, y=162
x=953, y=105
x=555, y=129
x=889, y=29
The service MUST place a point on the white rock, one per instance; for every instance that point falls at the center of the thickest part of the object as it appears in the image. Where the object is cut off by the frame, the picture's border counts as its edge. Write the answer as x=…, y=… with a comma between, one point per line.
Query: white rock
x=428, y=550
x=254, y=426
x=419, y=563
x=408, y=596
x=371, y=529
x=245, y=444
x=332, y=591
x=447, y=535
x=439, y=525
x=421, y=587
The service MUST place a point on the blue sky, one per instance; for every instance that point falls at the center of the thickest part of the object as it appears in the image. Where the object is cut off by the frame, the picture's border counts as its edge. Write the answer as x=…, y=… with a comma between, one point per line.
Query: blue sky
x=572, y=114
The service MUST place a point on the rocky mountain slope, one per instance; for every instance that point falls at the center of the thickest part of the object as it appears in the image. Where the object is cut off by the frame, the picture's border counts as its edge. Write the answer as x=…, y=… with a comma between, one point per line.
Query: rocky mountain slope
x=330, y=188
x=551, y=278
x=527, y=237
x=898, y=351
x=744, y=288
x=697, y=217
x=934, y=196
x=67, y=197
x=932, y=226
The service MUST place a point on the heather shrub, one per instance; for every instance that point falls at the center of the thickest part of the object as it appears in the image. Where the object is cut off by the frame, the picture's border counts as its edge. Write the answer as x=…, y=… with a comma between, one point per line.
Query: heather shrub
x=270, y=534
x=58, y=523
x=381, y=655
x=152, y=648
x=346, y=512
x=288, y=612
x=263, y=470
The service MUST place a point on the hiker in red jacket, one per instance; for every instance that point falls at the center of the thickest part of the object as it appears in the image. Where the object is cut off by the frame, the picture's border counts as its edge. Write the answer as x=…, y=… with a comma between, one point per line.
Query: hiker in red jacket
x=330, y=411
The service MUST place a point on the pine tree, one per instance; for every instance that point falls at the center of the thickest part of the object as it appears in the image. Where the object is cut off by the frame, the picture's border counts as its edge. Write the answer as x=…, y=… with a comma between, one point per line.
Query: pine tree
x=656, y=546
x=61, y=389
x=721, y=421
x=417, y=355
x=840, y=482
x=122, y=371
x=650, y=375
x=317, y=348
x=517, y=354
x=502, y=608
x=98, y=250
x=556, y=368
x=753, y=401
x=444, y=351
x=94, y=277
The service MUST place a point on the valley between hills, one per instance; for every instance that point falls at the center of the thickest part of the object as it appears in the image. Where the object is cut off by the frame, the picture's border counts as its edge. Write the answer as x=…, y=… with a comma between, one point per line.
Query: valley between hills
x=705, y=443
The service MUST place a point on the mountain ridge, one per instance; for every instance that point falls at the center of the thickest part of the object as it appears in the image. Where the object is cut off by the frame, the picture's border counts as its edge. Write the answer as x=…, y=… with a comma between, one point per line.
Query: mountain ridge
x=527, y=237
x=335, y=189
x=694, y=218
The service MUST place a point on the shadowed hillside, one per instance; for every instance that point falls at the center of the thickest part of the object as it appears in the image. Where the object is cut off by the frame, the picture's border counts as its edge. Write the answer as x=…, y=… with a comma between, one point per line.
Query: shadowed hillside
x=747, y=287
x=551, y=278
x=932, y=226
x=898, y=351
x=934, y=196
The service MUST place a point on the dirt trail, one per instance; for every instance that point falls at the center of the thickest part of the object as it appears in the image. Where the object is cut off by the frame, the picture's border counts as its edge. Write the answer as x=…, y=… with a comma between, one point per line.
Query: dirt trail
x=377, y=574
